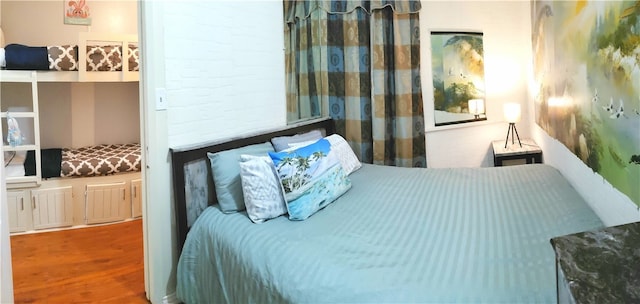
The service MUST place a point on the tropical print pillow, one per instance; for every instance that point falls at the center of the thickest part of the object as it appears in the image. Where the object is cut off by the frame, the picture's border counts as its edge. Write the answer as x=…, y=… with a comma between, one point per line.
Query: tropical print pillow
x=311, y=177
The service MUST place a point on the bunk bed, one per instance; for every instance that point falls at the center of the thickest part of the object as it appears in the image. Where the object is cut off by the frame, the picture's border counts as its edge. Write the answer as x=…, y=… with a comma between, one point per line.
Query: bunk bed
x=98, y=187
x=106, y=57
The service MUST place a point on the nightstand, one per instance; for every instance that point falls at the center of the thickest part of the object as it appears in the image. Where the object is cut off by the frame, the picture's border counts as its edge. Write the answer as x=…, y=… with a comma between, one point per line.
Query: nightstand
x=513, y=154
x=598, y=266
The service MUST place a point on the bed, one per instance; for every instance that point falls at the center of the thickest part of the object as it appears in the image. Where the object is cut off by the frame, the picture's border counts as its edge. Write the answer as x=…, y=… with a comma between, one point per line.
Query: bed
x=458, y=235
x=95, y=57
x=88, y=161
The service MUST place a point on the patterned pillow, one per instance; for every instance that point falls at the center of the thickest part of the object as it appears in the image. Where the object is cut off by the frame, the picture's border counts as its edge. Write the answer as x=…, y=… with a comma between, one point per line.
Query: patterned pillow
x=261, y=188
x=311, y=177
x=225, y=168
x=348, y=159
x=134, y=56
x=63, y=57
x=104, y=58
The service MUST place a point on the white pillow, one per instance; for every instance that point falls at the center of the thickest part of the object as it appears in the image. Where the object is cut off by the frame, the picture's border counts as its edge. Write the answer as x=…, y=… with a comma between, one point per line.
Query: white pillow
x=261, y=188
x=348, y=159
x=282, y=142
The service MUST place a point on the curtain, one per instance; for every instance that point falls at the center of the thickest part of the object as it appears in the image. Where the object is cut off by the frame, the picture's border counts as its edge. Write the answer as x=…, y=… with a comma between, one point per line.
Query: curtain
x=360, y=60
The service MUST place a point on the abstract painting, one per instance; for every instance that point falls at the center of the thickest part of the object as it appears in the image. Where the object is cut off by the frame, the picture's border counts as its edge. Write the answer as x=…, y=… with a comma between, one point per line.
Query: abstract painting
x=457, y=60
x=586, y=58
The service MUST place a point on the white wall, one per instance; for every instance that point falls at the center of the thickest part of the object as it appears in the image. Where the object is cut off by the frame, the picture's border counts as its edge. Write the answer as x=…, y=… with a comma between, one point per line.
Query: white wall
x=232, y=79
x=507, y=49
x=40, y=23
x=229, y=82
x=6, y=278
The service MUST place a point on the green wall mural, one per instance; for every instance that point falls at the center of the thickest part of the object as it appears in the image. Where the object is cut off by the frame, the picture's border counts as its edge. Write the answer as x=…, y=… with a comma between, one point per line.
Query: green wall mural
x=586, y=58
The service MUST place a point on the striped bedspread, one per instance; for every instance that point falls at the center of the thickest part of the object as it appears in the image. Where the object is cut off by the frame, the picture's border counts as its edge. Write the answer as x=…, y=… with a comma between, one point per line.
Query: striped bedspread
x=464, y=235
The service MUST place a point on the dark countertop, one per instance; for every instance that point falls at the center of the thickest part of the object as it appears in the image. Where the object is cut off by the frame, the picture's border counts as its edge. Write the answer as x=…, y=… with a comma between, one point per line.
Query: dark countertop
x=601, y=266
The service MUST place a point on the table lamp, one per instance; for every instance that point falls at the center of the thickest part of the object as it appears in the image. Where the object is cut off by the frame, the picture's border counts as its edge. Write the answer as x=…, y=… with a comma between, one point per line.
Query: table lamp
x=476, y=107
x=512, y=115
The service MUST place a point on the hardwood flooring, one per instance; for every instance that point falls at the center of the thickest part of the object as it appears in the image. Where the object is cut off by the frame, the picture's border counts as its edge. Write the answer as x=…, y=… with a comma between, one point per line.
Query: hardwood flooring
x=102, y=264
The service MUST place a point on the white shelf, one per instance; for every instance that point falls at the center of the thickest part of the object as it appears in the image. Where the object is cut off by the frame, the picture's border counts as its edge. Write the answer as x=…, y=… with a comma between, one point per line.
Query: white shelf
x=23, y=182
x=19, y=114
x=17, y=76
x=67, y=76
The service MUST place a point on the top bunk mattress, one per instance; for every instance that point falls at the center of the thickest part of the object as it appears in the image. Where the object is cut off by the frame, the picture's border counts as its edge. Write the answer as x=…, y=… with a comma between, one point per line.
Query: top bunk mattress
x=465, y=235
x=102, y=58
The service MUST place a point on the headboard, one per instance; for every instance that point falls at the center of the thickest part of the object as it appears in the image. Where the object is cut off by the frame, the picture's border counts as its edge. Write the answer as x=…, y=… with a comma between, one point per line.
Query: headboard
x=192, y=180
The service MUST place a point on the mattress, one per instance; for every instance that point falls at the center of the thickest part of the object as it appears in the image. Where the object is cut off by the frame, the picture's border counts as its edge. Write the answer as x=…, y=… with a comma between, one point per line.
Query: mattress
x=100, y=160
x=65, y=57
x=464, y=235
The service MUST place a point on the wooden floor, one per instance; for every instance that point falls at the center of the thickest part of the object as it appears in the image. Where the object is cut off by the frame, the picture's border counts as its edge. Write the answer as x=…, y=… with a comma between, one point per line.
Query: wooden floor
x=102, y=264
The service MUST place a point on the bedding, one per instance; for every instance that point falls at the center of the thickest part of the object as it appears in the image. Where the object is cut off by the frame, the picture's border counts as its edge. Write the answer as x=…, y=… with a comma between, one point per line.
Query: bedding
x=85, y=161
x=100, y=160
x=225, y=166
x=65, y=57
x=261, y=188
x=467, y=235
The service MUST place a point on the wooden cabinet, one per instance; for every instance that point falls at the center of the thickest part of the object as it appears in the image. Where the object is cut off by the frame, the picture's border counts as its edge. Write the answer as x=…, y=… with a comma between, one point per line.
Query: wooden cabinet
x=136, y=198
x=52, y=208
x=19, y=211
x=65, y=202
x=106, y=203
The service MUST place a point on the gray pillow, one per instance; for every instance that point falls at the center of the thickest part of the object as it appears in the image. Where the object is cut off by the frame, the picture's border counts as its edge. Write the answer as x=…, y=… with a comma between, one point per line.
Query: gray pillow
x=282, y=142
x=225, y=168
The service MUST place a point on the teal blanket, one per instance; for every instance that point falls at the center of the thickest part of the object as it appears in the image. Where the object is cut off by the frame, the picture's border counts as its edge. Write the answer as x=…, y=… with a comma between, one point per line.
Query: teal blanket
x=463, y=235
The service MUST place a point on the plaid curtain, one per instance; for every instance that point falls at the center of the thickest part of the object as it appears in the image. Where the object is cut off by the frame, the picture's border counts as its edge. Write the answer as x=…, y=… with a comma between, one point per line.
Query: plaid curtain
x=361, y=60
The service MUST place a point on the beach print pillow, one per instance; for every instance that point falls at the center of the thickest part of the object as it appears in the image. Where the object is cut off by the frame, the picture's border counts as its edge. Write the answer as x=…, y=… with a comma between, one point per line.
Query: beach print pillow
x=311, y=177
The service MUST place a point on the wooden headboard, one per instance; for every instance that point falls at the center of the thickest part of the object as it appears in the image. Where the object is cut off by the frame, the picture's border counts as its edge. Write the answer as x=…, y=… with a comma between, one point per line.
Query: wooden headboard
x=192, y=180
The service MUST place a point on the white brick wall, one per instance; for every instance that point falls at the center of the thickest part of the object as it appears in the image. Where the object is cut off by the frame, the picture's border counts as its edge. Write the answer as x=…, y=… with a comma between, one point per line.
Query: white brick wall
x=224, y=69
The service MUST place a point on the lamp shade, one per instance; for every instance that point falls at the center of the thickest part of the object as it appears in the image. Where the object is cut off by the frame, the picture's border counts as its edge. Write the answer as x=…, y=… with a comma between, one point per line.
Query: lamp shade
x=512, y=112
x=476, y=106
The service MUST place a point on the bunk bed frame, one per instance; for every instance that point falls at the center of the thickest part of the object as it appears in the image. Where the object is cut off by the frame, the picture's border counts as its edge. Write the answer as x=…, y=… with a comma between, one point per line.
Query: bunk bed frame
x=79, y=201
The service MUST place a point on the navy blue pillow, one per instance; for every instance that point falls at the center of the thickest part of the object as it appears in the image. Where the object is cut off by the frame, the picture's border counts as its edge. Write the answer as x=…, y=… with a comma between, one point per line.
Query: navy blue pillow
x=22, y=57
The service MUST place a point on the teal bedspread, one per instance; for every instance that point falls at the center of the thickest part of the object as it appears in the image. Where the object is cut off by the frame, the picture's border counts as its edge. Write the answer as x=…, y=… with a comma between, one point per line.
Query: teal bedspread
x=463, y=235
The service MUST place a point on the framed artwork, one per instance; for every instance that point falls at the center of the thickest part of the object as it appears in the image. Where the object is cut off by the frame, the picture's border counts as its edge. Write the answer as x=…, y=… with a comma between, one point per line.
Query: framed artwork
x=77, y=12
x=457, y=60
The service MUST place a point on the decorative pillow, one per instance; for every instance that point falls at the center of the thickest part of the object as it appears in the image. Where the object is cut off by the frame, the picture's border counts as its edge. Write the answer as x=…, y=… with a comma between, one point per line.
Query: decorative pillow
x=348, y=159
x=63, y=57
x=225, y=168
x=261, y=188
x=282, y=142
x=134, y=57
x=104, y=58
x=311, y=177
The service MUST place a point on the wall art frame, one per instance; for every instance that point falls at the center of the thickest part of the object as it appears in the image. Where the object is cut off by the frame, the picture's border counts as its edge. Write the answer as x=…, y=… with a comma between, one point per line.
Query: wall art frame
x=457, y=63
